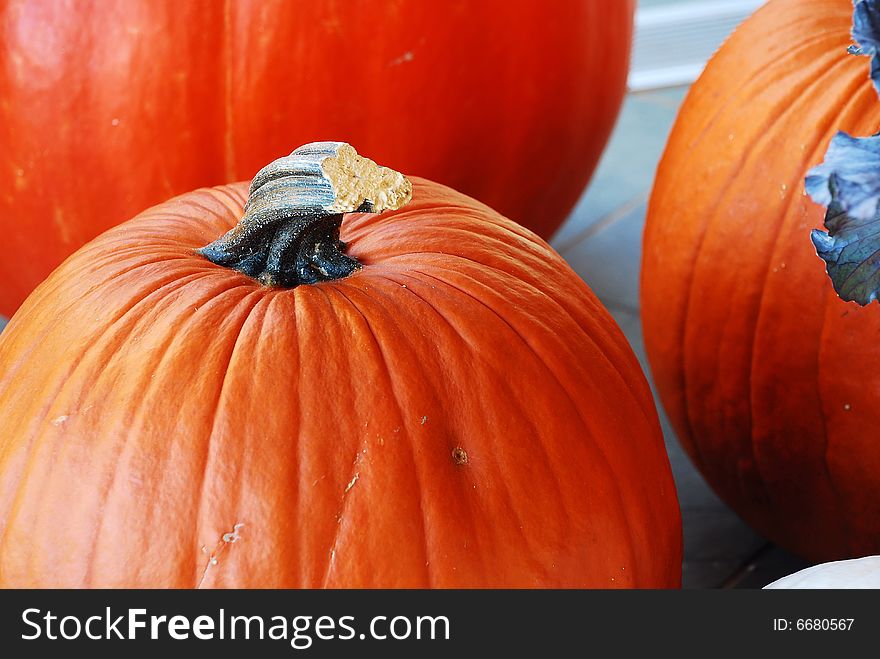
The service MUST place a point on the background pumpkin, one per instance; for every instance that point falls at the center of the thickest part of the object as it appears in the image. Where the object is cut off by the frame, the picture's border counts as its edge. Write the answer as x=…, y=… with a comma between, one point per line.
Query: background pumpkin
x=152, y=98
x=460, y=412
x=769, y=378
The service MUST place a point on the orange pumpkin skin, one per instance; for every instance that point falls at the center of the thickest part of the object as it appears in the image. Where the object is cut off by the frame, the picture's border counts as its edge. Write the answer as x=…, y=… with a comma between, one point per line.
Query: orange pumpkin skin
x=153, y=98
x=461, y=412
x=769, y=378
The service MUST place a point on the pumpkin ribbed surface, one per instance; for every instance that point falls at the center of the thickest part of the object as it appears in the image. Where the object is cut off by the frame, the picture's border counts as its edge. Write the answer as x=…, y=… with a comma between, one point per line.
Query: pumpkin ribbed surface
x=769, y=378
x=460, y=412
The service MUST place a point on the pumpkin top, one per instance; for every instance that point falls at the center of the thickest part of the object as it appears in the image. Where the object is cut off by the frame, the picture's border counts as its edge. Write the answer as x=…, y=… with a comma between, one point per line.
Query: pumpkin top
x=289, y=234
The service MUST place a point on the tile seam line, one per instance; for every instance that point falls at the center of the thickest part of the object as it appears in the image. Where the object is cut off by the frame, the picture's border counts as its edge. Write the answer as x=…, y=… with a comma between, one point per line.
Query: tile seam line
x=740, y=573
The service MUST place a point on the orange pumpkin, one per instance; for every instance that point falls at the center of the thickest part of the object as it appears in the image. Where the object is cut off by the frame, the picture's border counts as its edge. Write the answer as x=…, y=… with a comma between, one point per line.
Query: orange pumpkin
x=769, y=378
x=460, y=411
x=110, y=107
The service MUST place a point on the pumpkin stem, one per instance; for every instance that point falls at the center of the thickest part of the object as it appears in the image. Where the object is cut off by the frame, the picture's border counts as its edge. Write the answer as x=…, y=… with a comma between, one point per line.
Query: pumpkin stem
x=289, y=234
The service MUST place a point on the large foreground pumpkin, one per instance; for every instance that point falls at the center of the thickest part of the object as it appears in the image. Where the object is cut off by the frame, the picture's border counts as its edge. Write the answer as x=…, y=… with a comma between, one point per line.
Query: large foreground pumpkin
x=770, y=379
x=459, y=411
x=111, y=106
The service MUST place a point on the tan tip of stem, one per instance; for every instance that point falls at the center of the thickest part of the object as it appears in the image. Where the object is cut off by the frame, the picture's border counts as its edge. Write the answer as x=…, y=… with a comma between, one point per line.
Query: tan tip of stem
x=356, y=179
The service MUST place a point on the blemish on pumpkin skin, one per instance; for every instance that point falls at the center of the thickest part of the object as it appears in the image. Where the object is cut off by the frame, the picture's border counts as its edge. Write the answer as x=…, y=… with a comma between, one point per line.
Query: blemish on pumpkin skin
x=226, y=539
x=408, y=56
x=64, y=418
x=352, y=482
x=424, y=420
x=63, y=225
x=459, y=456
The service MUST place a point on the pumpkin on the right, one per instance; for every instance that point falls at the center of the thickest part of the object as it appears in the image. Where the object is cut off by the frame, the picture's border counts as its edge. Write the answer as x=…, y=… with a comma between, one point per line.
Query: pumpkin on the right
x=771, y=381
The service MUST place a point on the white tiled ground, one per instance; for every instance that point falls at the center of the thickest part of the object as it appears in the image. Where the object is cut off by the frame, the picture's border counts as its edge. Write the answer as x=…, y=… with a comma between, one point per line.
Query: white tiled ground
x=602, y=242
